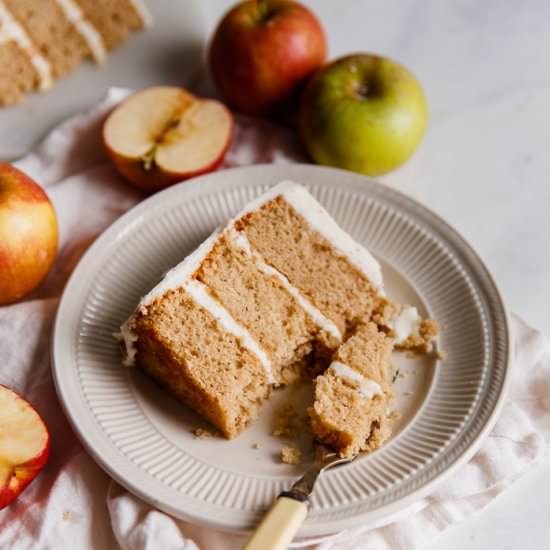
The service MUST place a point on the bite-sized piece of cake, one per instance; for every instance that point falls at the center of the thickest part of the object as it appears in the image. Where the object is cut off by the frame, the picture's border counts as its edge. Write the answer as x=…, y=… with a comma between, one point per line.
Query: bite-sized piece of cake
x=43, y=39
x=352, y=397
x=261, y=302
x=411, y=332
x=291, y=455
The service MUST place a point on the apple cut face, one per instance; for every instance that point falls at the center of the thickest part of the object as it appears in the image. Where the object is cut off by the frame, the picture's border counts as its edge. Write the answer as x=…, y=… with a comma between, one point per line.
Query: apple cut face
x=24, y=445
x=163, y=135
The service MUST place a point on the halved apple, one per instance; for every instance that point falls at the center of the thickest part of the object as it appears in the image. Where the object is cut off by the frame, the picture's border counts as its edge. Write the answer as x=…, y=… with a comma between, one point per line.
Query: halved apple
x=164, y=134
x=24, y=445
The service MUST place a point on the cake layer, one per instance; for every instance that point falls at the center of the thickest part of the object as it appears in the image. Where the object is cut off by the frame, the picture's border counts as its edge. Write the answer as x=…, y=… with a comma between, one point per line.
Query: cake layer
x=326, y=277
x=188, y=350
x=350, y=409
x=51, y=32
x=17, y=74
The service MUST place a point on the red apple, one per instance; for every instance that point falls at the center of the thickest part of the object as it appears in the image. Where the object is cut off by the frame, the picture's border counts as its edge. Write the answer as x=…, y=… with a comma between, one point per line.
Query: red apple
x=163, y=135
x=28, y=234
x=24, y=445
x=263, y=51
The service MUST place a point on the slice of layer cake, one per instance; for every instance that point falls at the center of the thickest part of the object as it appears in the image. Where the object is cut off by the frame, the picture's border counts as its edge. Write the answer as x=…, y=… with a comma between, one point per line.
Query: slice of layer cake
x=45, y=39
x=262, y=302
x=351, y=410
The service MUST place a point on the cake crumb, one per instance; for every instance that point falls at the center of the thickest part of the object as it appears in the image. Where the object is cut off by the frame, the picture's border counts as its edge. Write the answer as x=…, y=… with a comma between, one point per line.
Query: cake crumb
x=256, y=446
x=286, y=424
x=393, y=416
x=201, y=433
x=441, y=355
x=290, y=455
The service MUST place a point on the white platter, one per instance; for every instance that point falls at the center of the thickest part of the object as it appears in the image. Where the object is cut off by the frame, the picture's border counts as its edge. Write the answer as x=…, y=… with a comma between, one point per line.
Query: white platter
x=144, y=439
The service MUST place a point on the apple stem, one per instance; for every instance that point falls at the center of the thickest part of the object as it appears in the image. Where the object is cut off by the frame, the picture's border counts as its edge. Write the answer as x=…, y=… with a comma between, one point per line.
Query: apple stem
x=362, y=90
x=148, y=159
x=263, y=10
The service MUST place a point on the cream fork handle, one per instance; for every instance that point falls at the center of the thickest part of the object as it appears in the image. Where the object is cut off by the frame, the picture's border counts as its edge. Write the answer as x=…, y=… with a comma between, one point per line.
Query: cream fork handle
x=279, y=526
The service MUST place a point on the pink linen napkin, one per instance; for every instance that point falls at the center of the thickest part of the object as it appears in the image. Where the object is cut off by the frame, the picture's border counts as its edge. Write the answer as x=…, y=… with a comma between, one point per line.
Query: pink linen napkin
x=73, y=500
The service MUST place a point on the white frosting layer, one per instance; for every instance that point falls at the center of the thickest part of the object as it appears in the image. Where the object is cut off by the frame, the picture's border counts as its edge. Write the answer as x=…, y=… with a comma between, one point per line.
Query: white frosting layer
x=178, y=275
x=11, y=30
x=367, y=387
x=199, y=292
x=74, y=14
x=304, y=203
x=143, y=12
x=407, y=323
x=129, y=337
x=318, y=318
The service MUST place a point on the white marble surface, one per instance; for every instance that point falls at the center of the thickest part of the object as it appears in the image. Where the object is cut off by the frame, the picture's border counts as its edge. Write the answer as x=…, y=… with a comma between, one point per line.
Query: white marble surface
x=484, y=166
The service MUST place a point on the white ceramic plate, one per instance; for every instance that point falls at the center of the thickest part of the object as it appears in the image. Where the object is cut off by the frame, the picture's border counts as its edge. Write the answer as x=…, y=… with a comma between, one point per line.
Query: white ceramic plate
x=144, y=439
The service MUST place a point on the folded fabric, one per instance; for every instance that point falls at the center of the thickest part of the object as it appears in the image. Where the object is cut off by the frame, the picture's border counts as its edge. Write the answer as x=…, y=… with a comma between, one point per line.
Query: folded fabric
x=74, y=501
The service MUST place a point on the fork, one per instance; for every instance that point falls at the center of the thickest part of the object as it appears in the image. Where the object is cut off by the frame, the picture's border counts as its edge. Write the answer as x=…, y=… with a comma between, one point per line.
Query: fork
x=279, y=526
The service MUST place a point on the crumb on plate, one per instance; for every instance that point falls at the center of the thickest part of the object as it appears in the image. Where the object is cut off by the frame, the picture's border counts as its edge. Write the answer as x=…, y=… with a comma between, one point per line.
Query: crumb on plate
x=201, y=433
x=290, y=455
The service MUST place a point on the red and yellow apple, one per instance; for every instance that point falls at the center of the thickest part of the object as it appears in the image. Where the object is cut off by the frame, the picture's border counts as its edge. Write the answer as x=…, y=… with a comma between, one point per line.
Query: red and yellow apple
x=363, y=113
x=163, y=135
x=263, y=51
x=24, y=445
x=28, y=234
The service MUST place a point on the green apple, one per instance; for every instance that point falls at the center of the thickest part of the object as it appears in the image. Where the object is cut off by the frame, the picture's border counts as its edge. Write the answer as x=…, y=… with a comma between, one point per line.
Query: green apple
x=363, y=113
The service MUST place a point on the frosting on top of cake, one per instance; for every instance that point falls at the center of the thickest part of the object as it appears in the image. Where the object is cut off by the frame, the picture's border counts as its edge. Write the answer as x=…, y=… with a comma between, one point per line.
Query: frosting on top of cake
x=93, y=39
x=367, y=387
x=11, y=30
